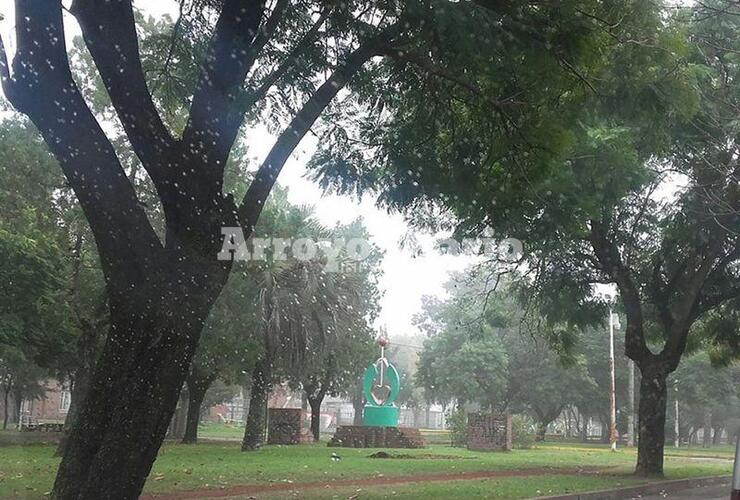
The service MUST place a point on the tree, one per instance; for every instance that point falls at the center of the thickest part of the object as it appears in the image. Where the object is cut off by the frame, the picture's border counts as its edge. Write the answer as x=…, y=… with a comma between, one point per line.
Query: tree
x=584, y=185
x=161, y=291
x=161, y=287
x=228, y=349
x=19, y=378
x=708, y=397
x=483, y=350
x=334, y=364
x=334, y=370
x=592, y=344
x=56, y=297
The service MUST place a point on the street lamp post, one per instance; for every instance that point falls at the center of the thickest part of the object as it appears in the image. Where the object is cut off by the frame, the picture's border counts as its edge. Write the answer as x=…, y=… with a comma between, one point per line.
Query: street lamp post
x=631, y=416
x=677, y=440
x=612, y=385
x=736, y=473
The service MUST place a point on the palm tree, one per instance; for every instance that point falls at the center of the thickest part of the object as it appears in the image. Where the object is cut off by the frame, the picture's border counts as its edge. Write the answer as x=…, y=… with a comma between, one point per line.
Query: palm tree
x=299, y=306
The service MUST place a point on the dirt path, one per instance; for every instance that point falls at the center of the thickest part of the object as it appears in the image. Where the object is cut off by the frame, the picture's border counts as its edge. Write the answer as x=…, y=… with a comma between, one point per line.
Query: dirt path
x=253, y=489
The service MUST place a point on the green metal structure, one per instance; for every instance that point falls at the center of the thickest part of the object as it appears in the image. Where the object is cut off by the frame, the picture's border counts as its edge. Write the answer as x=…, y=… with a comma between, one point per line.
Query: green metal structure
x=381, y=385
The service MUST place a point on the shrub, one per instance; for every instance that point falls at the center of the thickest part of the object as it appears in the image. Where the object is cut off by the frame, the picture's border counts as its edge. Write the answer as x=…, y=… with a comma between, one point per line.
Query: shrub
x=457, y=423
x=522, y=429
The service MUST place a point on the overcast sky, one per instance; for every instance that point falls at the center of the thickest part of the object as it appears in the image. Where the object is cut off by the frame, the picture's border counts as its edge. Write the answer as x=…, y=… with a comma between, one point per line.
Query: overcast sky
x=405, y=278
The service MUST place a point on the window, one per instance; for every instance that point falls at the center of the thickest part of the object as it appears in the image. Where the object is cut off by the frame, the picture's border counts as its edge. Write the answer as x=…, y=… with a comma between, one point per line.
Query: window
x=64, y=399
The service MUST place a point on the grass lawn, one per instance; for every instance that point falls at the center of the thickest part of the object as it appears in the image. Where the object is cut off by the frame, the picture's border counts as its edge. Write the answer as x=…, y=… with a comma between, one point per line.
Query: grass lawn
x=209, y=430
x=504, y=488
x=220, y=431
x=28, y=471
x=720, y=451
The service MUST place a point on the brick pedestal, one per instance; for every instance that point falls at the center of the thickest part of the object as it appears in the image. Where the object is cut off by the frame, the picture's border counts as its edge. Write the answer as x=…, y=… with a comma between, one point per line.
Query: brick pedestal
x=360, y=436
x=489, y=432
x=286, y=426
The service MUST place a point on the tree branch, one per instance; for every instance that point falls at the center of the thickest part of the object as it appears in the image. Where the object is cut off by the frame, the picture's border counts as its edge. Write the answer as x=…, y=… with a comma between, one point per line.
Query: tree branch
x=266, y=33
x=42, y=87
x=264, y=86
x=212, y=124
x=606, y=252
x=110, y=34
x=266, y=175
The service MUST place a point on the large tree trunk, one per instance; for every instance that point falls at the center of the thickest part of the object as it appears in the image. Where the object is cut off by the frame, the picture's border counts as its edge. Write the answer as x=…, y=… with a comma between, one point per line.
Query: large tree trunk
x=315, y=403
x=77, y=393
x=87, y=348
x=254, y=430
x=135, y=388
x=651, y=421
x=198, y=383
x=157, y=306
x=176, y=429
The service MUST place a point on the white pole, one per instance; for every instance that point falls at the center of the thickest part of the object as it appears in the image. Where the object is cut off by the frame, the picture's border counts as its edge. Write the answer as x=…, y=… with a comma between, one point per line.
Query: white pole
x=612, y=396
x=736, y=473
x=631, y=416
x=677, y=441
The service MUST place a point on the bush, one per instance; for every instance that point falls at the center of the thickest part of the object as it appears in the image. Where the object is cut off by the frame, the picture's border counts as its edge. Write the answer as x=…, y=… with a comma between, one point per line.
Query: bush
x=522, y=429
x=457, y=423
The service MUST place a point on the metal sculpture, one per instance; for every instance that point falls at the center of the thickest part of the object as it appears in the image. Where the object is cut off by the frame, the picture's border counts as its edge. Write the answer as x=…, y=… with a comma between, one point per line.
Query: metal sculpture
x=381, y=387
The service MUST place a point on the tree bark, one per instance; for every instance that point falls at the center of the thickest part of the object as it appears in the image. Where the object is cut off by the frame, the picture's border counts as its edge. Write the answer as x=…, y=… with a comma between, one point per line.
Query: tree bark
x=135, y=388
x=717, y=436
x=198, y=385
x=77, y=393
x=541, y=431
x=584, y=428
x=358, y=403
x=17, y=405
x=651, y=420
x=254, y=431
x=707, y=437
x=315, y=404
x=6, y=402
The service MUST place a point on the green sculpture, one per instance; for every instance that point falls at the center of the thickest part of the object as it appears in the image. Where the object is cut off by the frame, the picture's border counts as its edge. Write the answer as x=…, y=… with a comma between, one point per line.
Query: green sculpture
x=381, y=386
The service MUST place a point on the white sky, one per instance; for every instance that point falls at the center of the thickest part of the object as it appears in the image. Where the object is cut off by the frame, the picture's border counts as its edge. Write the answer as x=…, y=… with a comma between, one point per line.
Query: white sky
x=405, y=278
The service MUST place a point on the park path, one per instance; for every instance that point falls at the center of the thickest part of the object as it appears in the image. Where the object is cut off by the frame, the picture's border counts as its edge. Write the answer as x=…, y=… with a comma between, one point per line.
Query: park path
x=254, y=489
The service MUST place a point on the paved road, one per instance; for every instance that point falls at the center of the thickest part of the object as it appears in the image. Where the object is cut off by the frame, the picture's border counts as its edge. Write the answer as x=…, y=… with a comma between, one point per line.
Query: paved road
x=721, y=492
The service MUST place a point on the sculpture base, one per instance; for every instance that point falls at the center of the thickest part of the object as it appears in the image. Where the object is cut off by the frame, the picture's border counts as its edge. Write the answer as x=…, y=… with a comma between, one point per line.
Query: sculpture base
x=360, y=436
x=380, y=416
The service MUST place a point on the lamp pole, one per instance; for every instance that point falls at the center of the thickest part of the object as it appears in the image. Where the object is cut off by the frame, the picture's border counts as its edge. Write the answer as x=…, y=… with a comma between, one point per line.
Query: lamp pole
x=677, y=440
x=612, y=385
x=631, y=415
x=736, y=471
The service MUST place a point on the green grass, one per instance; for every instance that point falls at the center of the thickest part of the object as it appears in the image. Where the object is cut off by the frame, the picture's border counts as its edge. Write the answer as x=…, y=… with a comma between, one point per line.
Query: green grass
x=509, y=488
x=721, y=451
x=27, y=471
x=220, y=431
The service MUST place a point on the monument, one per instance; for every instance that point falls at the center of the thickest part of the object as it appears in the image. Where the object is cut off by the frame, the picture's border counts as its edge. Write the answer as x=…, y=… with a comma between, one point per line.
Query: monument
x=285, y=426
x=489, y=432
x=381, y=385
